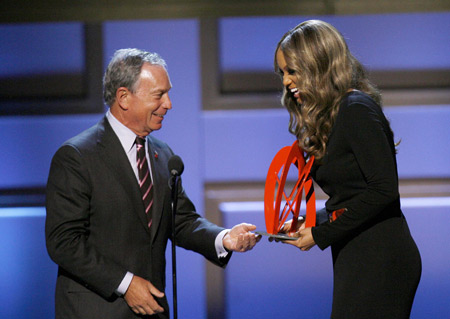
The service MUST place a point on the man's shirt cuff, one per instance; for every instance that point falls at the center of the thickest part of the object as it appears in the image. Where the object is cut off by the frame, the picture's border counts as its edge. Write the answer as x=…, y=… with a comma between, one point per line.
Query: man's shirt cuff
x=126, y=281
x=221, y=251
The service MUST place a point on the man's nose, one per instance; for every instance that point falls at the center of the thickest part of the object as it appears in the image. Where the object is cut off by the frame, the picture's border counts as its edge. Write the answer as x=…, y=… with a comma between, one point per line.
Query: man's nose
x=167, y=103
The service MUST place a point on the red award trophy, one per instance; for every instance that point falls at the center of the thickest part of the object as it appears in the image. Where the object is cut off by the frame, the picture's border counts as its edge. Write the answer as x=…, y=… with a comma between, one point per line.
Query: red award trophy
x=275, y=193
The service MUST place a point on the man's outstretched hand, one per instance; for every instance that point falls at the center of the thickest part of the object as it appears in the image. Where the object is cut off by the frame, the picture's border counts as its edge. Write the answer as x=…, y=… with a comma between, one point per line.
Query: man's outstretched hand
x=240, y=238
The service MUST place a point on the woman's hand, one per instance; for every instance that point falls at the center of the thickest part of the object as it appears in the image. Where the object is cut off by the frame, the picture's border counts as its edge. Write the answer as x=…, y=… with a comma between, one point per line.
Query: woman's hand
x=305, y=239
x=286, y=228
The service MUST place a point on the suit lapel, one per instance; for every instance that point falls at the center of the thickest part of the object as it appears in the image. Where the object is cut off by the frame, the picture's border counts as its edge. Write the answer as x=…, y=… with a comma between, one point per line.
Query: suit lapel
x=114, y=157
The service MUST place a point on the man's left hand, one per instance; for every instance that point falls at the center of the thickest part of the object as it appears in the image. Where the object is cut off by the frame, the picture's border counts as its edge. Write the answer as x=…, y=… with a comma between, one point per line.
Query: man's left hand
x=240, y=238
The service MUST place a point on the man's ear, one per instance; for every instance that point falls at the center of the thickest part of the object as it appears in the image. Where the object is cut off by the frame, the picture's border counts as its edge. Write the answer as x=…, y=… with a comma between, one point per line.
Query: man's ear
x=122, y=97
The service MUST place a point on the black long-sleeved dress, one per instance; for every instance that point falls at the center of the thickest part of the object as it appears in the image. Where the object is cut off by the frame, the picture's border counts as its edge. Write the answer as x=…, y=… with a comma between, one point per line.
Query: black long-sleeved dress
x=376, y=262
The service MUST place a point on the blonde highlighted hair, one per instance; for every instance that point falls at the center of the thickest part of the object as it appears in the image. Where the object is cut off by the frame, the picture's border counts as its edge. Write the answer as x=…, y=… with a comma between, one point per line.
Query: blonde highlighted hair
x=325, y=71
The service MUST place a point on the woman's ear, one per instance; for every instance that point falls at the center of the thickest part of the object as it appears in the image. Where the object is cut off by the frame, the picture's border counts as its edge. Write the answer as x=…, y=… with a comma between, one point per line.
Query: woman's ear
x=122, y=97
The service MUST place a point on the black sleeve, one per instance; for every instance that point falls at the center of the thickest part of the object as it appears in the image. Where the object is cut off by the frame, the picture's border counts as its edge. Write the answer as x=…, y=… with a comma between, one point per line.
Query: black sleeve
x=67, y=224
x=195, y=232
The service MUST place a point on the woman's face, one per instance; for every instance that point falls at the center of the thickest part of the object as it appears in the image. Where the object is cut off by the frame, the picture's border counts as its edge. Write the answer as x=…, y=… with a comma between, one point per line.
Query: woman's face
x=289, y=77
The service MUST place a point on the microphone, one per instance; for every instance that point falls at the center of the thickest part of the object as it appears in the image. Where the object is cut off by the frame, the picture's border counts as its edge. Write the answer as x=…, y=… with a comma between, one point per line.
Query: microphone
x=176, y=166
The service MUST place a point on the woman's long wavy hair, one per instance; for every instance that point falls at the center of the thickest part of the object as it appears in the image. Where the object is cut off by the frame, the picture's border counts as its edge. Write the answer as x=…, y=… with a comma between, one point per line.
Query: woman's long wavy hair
x=325, y=71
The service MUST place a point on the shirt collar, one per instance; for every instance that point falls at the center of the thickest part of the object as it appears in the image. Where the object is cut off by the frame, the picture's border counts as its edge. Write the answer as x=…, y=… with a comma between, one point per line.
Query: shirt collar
x=126, y=136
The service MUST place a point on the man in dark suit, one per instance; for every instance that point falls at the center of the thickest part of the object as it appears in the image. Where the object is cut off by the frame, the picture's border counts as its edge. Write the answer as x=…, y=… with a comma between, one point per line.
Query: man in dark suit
x=108, y=241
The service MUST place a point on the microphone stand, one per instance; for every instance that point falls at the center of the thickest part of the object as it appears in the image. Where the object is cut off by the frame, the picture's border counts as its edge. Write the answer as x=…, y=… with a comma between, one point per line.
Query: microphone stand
x=174, y=181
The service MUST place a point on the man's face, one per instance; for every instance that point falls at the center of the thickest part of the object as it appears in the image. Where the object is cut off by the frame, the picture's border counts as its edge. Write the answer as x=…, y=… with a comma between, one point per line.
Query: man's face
x=150, y=102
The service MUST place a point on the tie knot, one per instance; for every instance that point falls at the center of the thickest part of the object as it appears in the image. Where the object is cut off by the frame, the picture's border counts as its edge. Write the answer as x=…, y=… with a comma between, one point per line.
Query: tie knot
x=140, y=140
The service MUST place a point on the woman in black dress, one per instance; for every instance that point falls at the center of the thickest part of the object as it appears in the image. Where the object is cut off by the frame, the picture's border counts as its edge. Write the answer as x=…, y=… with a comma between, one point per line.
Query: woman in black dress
x=336, y=117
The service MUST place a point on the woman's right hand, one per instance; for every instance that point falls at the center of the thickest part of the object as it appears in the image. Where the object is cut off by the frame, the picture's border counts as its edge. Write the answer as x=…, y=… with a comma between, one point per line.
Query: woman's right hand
x=286, y=229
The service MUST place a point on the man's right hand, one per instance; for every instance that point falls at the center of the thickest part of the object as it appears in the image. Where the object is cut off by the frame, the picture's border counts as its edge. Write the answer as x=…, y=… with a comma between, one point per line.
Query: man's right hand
x=139, y=297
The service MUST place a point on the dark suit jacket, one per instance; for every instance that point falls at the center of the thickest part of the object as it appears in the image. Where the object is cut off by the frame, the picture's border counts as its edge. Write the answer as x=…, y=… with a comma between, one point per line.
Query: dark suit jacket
x=96, y=225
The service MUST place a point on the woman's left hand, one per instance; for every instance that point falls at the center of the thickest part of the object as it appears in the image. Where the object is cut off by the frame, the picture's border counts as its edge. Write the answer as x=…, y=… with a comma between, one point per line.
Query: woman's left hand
x=305, y=239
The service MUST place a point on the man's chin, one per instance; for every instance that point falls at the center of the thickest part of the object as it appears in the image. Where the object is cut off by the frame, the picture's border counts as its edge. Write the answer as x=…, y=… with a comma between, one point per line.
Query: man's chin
x=155, y=127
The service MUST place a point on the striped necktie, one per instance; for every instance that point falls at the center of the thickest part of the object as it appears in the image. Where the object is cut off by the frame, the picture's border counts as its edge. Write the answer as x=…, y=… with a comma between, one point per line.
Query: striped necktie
x=145, y=181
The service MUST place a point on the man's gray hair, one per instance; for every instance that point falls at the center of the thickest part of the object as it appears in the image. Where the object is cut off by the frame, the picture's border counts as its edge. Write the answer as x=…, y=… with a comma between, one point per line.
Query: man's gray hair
x=124, y=70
